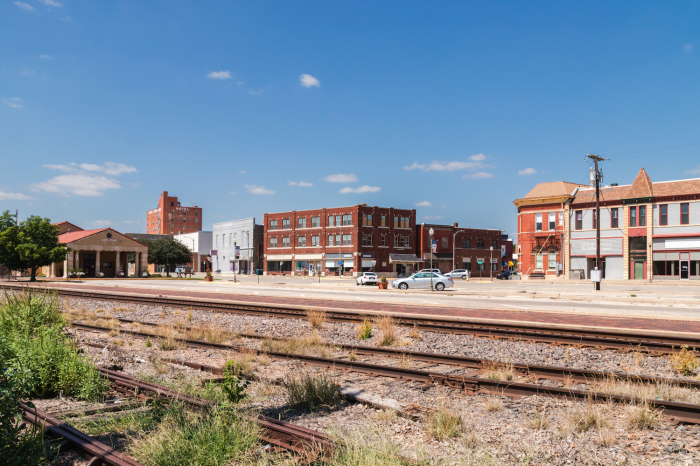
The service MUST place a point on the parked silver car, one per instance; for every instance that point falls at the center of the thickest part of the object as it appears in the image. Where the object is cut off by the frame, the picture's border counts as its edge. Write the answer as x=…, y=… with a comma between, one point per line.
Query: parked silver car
x=422, y=280
x=458, y=273
x=368, y=278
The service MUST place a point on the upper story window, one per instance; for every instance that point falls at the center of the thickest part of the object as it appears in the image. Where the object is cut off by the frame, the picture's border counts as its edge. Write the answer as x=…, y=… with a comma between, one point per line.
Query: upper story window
x=367, y=239
x=273, y=242
x=685, y=214
x=286, y=242
x=383, y=243
x=383, y=221
x=579, y=219
x=444, y=243
x=402, y=222
x=347, y=219
x=367, y=220
x=552, y=220
x=466, y=243
x=538, y=222
x=315, y=241
x=330, y=240
x=196, y=214
x=301, y=241
x=301, y=222
x=663, y=214
x=286, y=224
x=633, y=216
x=331, y=220
x=614, y=218
x=642, y=215
x=494, y=244
x=479, y=244
x=315, y=222
x=347, y=240
x=595, y=219
x=273, y=224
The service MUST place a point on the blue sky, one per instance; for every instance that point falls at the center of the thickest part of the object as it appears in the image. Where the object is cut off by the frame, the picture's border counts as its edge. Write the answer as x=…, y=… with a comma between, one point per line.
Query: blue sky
x=457, y=108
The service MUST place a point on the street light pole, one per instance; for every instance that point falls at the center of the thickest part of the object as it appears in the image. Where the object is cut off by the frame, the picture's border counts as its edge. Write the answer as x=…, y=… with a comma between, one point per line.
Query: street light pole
x=431, y=231
x=490, y=263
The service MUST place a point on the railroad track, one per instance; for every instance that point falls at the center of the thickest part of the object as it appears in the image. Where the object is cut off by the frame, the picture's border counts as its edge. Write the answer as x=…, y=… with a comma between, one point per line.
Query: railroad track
x=98, y=453
x=612, y=339
x=674, y=411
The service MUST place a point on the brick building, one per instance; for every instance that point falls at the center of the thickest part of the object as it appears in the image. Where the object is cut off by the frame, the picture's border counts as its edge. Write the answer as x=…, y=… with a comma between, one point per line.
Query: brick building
x=345, y=240
x=541, y=227
x=461, y=248
x=170, y=217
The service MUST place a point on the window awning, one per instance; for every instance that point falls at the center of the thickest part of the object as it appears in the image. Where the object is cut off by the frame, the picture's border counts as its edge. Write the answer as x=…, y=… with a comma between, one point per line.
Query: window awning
x=438, y=256
x=404, y=258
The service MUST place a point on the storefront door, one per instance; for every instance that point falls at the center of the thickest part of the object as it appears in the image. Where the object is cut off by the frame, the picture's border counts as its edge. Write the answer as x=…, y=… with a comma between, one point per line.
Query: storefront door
x=638, y=270
x=685, y=269
x=89, y=264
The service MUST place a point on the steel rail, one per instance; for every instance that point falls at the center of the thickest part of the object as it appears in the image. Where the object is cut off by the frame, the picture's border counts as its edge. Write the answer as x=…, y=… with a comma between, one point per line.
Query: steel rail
x=532, y=370
x=280, y=433
x=678, y=412
x=614, y=339
x=101, y=453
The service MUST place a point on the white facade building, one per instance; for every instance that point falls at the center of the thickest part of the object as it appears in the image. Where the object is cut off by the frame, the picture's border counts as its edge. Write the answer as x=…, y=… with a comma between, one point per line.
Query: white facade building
x=200, y=243
x=238, y=246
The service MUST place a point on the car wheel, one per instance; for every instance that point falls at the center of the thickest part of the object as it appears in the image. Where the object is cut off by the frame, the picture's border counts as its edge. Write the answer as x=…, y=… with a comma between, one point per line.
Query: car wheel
x=440, y=286
x=403, y=286
x=464, y=277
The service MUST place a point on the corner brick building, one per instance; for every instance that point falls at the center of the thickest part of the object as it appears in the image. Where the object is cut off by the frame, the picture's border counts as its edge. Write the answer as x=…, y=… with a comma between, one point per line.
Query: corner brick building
x=341, y=240
x=170, y=218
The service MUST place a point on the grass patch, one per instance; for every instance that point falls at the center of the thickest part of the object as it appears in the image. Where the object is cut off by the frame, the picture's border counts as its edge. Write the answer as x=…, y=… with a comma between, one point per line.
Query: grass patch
x=444, y=423
x=311, y=392
x=585, y=418
x=364, y=330
x=540, y=420
x=312, y=345
x=388, y=328
x=642, y=417
x=500, y=371
x=316, y=318
x=684, y=362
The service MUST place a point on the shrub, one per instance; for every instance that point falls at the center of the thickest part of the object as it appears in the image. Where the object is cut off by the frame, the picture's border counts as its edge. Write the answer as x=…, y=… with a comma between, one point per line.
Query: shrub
x=316, y=318
x=311, y=391
x=443, y=424
x=235, y=382
x=364, y=330
x=684, y=362
x=18, y=448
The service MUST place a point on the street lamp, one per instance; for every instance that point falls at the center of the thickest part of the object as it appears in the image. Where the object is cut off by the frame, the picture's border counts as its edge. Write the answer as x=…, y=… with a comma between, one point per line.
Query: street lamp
x=490, y=263
x=431, y=231
x=454, y=237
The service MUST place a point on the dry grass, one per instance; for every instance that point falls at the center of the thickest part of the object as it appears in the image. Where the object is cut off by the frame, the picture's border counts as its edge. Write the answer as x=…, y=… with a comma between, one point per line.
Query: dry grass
x=100, y=311
x=540, y=420
x=189, y=314
x=405, y=361
x=443, y=423
x=160, y=366
x=245, y=360
x=310, y=391
x=114, y=323
x=124, y=309
x=352, y=356
x=568, y=381
x=662, y=391
x=316, y=318
x=168, y=337
x=113, y=333
x=161, y=314
x=263, y=360
x=386, y=415
x=266, y=390
x=683, y=362
x=500, y=371
x=415, y=334
x=642, y=417
x=177, y=312
x=493, y=403
x=209, y=333
x=582, y=418
x=364, y=330
x=606, y=436
x=388, y=328
x=312, y=345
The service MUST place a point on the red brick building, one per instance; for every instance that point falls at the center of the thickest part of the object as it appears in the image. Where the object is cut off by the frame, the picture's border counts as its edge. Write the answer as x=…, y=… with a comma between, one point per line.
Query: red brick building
x=542, y=230
x=347, y=240
x=171, y=218
x=461, y=248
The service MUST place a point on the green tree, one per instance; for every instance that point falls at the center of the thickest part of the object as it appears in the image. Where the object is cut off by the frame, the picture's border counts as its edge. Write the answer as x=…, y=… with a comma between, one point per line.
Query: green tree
x=167, y=252
x=7, y=220
x=30, y=245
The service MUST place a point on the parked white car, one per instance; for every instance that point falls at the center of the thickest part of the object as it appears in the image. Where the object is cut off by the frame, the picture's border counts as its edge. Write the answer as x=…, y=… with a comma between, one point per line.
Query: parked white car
x=422, y=280
x=458, y=273
x=367, y=278
x=430, y=270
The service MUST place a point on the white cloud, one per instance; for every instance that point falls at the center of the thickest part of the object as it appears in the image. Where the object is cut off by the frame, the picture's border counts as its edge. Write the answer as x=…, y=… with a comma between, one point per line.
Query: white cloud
x=70, y=168
x=5, y=196
x=258, y=92
x=242, y=171
x=45, y=57
x=24, y=6
x=102, y=223
x=128, y=221
x=29, y=73
x=688, y=48
x=694, y=171
x=423, y=204
x=361, y=189
x=219, y=75
x=309, y=81
x=305, y=184
x=258, y=189
x=14, y=102
x=77, y=184
x=340, y=178
x=433, y=217
x=50, y=3
x=109, y=168
x=478, y=175
x=527, y=171
x=477, y=157
x=443, y=166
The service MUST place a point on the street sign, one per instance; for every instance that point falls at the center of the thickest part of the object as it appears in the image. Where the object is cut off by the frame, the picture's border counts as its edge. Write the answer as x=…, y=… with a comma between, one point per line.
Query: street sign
x=479, y=262
x=340, y=262
x=434, y=246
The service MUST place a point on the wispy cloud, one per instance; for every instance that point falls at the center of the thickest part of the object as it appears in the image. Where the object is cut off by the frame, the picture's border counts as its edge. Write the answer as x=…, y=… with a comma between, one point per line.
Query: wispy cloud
x=253, y=189
x=258, y=92
x=24, y=6
x=45, y=57
x=29, y=73
x=67, y=19
x=361, y=189
x=340, y=178
x=305, y=184
x=219, y=75
x=423, y=204
x=433, y=217
x=694, y=171
x=242, y=171
x=527, y=171
x=309, y=81
x=80, y=180
x=478, y=175
x=232, y=192
x=14, y=102
x=127, y=221
x=50, y=3
x=5, y=196
x=103, y=223
x=688, y=48
x=473, y=163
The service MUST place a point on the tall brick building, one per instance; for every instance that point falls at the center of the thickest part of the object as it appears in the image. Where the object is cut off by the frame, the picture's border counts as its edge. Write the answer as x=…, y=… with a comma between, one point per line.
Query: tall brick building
x=345, y=240
x=171, y=218
x=461, y=248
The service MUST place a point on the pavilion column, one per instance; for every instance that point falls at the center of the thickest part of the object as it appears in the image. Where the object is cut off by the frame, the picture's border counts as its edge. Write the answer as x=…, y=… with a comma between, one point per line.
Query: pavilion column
x=117, y=264
x=97, y=262
x=52, y=270
x=65, y=264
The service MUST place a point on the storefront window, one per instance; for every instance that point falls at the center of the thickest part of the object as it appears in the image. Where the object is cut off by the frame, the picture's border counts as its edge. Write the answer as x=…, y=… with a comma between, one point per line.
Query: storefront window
x=538, y=261
x=552, y=260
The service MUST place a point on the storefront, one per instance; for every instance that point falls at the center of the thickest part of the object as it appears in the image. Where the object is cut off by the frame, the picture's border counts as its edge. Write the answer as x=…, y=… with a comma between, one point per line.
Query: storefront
x=278, y=264
x=676, y=258
x=308, y=264
x=337, y=264
x=405, y=264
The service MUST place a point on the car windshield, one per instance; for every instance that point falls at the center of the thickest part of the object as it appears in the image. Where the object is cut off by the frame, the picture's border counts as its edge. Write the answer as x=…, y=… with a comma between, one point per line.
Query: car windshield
x=370, y=274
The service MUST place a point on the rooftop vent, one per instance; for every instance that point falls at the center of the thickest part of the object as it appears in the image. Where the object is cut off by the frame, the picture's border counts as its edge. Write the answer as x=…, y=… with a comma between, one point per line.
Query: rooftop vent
x=613, y=184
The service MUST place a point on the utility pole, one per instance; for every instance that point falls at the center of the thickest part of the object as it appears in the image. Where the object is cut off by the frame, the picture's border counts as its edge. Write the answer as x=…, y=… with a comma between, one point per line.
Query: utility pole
x=597, y=159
